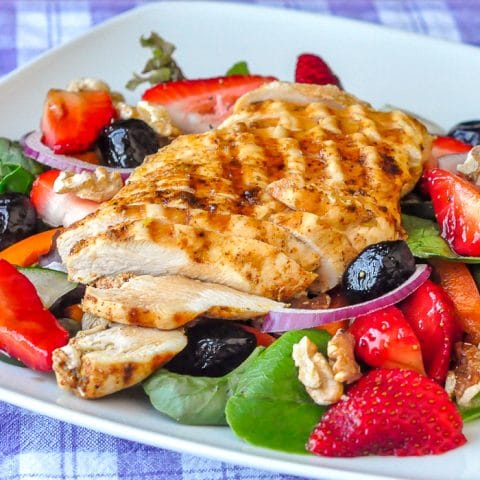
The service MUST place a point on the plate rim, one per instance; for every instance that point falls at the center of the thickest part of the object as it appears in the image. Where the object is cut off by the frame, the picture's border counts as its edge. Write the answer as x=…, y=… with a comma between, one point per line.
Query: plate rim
x=111, y=427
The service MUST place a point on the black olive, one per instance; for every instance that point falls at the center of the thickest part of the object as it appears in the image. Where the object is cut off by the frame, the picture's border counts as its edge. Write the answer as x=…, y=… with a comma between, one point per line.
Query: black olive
x=18, y=218
x=467, y=132
x=214, y=348
x=126, y=143
x=377, y=270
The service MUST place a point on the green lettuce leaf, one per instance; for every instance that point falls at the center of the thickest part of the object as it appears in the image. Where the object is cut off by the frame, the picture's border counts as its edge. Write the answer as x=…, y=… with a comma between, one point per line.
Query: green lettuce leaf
x=17, y=171
x=195, y=400
x=239, y=68
x=270, y=407
x=425, y=241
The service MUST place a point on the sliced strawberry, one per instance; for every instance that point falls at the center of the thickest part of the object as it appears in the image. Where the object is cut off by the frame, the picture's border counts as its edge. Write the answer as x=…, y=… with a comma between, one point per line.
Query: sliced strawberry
x=312, y=69
x=456, y=203
x=389, y=412
x=431, y=314
x=446, y=146
x=385, y=339
x=72, y=121
x=200, y=105
x=57, y=209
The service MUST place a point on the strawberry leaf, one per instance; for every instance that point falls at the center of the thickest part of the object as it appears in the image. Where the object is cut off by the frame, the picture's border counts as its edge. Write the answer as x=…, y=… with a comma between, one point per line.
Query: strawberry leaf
x=239, y=68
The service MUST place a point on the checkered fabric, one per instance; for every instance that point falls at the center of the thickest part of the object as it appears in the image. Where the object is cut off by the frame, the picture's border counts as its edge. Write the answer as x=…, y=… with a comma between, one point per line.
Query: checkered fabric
x=36, y=447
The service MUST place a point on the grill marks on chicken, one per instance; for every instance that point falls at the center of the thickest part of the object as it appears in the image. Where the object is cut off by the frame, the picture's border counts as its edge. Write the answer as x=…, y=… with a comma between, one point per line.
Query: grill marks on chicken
x=151, y=247
x=315, y=162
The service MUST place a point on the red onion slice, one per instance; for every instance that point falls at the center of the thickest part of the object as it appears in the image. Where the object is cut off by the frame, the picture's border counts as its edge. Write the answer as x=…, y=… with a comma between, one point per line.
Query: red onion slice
x=34, y=148
x=450, y=162
x=285, y=319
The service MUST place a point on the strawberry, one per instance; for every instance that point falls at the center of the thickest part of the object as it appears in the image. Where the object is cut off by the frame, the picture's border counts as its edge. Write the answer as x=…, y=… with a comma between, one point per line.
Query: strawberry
x=447, y=146
x=58, y=209
x=312, y=69
x=456, y=203
x=200, y=105
x=389, y=412
x=431, y=314
x=72, y=121
x=385, y=339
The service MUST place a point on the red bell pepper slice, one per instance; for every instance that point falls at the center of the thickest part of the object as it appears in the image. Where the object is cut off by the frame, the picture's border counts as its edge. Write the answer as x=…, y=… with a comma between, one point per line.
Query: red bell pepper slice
x=28, y=331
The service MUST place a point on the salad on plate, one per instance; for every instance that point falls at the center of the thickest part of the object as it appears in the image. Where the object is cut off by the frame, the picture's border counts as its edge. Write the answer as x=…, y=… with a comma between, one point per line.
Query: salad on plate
x=279, y=257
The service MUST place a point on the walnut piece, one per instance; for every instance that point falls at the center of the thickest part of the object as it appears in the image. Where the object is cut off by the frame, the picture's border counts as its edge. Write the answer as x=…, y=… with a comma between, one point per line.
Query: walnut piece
x=341, y=354
x=466, y=381
x=315, y=373
x=99, y=185
x=155, y=115
x=471, y=166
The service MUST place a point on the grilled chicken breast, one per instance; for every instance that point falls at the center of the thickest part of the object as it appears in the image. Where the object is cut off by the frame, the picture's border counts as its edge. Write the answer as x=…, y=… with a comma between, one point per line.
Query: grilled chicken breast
x=170, y=302
x=312, y=161
x=102, y=361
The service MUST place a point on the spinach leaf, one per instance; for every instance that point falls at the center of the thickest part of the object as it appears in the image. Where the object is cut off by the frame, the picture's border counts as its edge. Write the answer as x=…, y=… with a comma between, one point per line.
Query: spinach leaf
x=11, y=153
x=195, y=400
x=239, y=68
x=17, y=171
x=270, y=407
x=425, y=241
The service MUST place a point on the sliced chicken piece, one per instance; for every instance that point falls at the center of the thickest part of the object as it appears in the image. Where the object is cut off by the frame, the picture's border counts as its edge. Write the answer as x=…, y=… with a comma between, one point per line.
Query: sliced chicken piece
x=154, y=248
x=305, y=154
x=236, y=225
x=99, y=361
x=171, y=302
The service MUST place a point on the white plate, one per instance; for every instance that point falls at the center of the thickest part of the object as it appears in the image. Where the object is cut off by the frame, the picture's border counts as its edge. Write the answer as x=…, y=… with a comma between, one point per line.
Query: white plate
x=437, y=79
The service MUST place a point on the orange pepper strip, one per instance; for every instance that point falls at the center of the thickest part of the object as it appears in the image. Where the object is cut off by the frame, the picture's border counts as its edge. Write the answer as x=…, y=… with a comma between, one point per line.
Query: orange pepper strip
x=263, y=339
x=74, y=312
x=26, y=252
x=458, y=282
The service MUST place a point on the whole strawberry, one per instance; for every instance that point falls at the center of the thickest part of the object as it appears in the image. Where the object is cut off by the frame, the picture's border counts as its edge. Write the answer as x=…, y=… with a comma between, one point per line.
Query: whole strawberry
x=389, y=412
x=312, y=69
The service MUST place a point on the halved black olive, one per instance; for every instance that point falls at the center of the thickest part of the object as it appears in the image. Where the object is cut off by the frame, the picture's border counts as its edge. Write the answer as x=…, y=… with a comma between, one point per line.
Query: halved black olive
x=467, y=132
x=214, y=348
x=377, y=270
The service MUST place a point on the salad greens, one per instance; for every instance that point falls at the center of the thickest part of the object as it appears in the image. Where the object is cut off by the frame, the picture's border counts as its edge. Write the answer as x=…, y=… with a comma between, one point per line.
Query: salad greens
x=425, y=241
x=270, y=407
x=472, y=412
x=195, y=400
x=161, y=67
x=17, y=171
x=239, y=68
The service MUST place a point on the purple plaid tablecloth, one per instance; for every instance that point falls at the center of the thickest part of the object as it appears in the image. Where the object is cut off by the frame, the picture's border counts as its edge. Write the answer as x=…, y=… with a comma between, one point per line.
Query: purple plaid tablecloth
x=36, y=447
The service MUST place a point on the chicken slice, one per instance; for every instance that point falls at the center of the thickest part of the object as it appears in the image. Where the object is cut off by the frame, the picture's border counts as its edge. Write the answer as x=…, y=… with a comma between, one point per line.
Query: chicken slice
x=99, y=361
x=171, y=302
x=154, y=248
x=236, y=225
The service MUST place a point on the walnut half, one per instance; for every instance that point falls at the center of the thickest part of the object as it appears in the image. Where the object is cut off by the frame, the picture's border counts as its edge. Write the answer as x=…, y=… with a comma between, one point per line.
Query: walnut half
x=464, y=381
x=340, y=351
x=315, y=373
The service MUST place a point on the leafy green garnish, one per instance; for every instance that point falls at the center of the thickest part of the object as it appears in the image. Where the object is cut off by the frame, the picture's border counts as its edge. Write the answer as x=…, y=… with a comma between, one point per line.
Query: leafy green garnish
x=425, y=241
x=239, y=68
x=161, y=67
x=195, y=400
x=17, y=171
x=270, y=407
x=472, y=412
